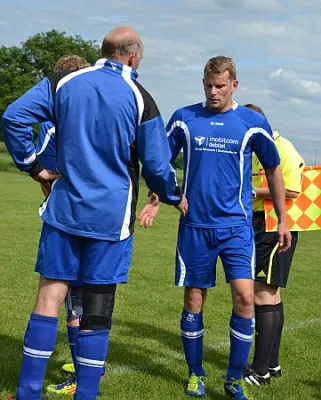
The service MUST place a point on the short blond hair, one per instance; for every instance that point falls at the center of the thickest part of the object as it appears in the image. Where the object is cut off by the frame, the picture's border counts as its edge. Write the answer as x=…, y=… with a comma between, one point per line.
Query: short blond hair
x=220, y=64
x=71, y=63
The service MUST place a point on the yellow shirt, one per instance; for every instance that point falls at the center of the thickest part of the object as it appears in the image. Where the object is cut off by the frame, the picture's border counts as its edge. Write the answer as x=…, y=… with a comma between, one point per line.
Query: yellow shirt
x=292, y=165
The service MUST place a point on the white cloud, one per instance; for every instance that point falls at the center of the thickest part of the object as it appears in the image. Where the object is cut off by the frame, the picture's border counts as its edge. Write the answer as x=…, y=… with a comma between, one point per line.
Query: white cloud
x=275, y=44
x=288, y=83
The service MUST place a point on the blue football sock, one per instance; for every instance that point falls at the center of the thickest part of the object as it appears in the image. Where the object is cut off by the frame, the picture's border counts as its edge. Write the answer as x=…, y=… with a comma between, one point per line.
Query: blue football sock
x=192, y=331
x=72, y=339
x=39, y=343
x=91, y=354
x=241, y=334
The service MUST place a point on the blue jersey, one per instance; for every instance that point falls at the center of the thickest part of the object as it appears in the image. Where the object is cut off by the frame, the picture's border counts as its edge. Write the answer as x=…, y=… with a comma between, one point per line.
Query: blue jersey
x=46, y=146
x=105, y=122
x=217, y=161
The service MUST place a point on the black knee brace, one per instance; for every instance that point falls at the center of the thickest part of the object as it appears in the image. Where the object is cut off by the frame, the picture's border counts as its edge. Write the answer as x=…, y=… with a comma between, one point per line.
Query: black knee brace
x=98, y=302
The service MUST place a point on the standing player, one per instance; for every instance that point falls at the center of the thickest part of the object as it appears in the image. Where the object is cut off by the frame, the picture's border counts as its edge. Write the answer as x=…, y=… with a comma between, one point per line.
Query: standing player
x=105, y=122
x=46, y=150
x=272, y=267
x=218, y=138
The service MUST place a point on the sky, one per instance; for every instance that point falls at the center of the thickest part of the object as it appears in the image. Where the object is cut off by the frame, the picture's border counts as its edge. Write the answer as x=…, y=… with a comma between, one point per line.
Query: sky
x=274, y=43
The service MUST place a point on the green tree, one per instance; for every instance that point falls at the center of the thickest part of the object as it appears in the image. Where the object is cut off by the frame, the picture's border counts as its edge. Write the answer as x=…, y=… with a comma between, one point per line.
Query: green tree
x=22, y=67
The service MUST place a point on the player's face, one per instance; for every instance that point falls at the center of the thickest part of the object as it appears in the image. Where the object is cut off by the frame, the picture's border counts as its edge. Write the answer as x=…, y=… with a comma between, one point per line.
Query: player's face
x=219, y=89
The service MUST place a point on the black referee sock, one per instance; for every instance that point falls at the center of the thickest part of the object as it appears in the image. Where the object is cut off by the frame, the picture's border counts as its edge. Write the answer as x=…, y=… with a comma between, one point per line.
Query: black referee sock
x=266, y=323
x=274, y=357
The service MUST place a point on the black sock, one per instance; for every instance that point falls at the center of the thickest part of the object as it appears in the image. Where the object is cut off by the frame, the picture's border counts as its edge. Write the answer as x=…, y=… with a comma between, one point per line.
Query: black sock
x=266, y=322
x=274, y=357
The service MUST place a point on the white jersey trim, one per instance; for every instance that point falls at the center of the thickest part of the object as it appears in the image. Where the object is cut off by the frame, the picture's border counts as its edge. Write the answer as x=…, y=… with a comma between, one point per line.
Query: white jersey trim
x=247, y=137
x=99, y=64
x=49, y=133
x=182, y=125
x=30, y=159
x=126, y=222
x=43, y=206
x=126, y=74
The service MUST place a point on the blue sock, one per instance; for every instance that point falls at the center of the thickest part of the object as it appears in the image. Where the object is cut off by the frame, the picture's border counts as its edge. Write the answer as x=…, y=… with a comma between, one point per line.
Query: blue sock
x=72, y=339
x=91, y=354
x=192, y=331
x=241, y=334
x=39, y=343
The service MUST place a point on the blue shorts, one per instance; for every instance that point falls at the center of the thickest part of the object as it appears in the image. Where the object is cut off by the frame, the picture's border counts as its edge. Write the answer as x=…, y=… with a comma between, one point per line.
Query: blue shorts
x=198, y=249
x=66, y=257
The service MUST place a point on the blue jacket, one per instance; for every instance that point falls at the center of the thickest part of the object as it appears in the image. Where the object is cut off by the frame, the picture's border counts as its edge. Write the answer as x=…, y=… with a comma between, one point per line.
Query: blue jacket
x=105, y=123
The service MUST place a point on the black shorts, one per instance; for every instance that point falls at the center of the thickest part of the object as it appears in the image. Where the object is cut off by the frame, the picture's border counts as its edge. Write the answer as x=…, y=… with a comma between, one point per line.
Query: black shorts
x=272, y=267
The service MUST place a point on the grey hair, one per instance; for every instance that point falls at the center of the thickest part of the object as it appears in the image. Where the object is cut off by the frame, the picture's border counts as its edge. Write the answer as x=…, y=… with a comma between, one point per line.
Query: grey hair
x=120, y=48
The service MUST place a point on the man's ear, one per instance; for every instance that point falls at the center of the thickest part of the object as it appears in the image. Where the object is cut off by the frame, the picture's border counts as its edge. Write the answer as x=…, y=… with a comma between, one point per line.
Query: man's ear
x=235, y=85
x=130, y=60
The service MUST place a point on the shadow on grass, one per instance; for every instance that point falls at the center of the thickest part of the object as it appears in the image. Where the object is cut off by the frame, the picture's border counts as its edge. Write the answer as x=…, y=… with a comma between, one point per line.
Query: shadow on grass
x=169, y=339
x=315, y=385
x=150, y=360
x=10, y=363
x=137, y=357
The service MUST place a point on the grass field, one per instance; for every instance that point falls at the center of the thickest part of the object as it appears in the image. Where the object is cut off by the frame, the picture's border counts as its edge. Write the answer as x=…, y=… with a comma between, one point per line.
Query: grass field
x=145, y=359
x=6, y=163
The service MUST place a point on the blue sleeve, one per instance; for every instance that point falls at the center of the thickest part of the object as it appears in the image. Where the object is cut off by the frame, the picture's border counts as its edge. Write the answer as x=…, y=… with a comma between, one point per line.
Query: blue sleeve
x=263, y=145
x=41, y=138
x=175, y=137
x=155, y=155
x=34, y=106
x=46, y=146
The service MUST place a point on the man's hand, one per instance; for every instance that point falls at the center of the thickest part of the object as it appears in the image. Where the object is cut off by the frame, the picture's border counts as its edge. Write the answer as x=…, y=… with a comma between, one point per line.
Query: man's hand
x=183, y=206
x=45, y=178
x=284, y=237
x=149, y=212
x=46, y=188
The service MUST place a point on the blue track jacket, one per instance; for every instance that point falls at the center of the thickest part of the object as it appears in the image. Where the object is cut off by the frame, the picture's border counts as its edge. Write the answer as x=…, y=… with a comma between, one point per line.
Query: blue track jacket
x=105, y=123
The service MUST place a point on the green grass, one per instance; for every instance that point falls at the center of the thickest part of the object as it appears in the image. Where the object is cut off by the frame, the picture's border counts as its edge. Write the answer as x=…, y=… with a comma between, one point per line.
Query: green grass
x=145, y=360
x=6, y=163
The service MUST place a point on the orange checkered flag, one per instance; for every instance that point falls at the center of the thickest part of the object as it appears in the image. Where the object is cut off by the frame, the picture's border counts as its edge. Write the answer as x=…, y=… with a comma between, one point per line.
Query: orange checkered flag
x=304, y=212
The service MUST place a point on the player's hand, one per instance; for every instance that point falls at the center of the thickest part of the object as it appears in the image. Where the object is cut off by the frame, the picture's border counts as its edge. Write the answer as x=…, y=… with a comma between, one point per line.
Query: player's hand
x=46, y=178
x=284, y=237
x=46, y=188
x=183, y=206
x=149, y=212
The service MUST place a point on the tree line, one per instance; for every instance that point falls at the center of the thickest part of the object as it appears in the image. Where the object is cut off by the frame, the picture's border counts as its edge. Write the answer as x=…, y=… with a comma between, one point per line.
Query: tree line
x=21, y=67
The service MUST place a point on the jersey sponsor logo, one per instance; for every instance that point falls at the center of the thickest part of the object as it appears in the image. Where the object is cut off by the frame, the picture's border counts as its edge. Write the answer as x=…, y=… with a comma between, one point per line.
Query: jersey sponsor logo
x=217, y=123
x=199, y=140
x=217, y=144
x=114, y=66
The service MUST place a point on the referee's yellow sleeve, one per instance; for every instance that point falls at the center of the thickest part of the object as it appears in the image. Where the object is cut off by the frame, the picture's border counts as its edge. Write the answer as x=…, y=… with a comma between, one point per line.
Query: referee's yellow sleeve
x=292, y=165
